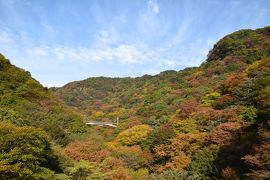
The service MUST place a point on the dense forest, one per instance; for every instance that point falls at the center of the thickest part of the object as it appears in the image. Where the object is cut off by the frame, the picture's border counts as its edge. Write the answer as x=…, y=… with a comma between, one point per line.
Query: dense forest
x=206, y=122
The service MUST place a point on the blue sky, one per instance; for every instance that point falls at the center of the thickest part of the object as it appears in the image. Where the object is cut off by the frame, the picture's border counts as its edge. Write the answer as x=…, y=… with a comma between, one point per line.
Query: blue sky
x=60, y=41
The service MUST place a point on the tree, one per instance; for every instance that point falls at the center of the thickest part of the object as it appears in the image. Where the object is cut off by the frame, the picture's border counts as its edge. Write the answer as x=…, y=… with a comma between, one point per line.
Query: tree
x=202, y=164
x=25, y=153
x=224, y=134
x=210, y=98
x=134, y=135
x=159, y=136
x=89, y=150
x=177, y=155
x=84, y=170
x=133, y=156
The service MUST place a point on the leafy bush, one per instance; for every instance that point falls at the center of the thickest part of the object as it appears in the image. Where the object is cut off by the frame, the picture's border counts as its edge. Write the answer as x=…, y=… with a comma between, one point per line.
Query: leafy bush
x=249, y=114
x=134, y=135
x=25, y=153
x=184, y=126
x=87, y=150
x=202, y=164
x=210, y=99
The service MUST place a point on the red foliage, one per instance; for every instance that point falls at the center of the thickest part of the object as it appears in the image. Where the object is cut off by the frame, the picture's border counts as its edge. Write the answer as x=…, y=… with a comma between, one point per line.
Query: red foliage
x=259, y=160
x=224, y=102
x=233, y=82
x=87, y=150
x=224, y=134
x=186, y=108
x=112, y=163
x=229, y=174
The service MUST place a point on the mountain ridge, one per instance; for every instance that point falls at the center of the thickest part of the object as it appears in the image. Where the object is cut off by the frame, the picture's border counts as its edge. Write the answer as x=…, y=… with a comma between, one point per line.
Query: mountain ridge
x=206, y=122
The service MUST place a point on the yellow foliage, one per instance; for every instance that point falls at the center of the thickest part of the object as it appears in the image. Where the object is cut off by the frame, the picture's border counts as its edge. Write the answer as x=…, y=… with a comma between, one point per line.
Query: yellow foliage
x=133, y=135
x=180, y=150
x=184, y=126
x=97, y=115
x=140, y=174
x=210, y=98
x=253, y=67
x=178, y=162
x=112, y=145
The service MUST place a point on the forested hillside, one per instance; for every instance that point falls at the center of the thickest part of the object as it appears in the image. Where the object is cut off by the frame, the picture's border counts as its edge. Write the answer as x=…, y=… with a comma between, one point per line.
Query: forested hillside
x=206, y=122
x=26, y=151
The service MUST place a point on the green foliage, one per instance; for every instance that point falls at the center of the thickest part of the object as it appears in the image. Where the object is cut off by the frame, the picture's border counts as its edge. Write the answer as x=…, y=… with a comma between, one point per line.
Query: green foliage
x=153, y=121
x=161, y=135
x=172, y=175
x=139, y=174
x=202, y=164
x=249, y=114
x=85, y=170
x=134, y=156
x=23, y=101
x=162, y=118
x=252, y=45
x=232, y=67
x=25, y=153
x=9, y=115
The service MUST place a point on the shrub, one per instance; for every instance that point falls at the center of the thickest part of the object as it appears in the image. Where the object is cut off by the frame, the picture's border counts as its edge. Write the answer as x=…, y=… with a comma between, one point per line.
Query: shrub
x=210, y=99
x=202, y=164
x=134, y=135
x=25, y=153
x=184, y=126
x=89, y=150
x=249, y=114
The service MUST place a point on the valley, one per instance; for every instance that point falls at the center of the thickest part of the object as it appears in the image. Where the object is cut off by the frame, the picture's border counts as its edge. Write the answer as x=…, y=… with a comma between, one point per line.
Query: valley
x=206, y=122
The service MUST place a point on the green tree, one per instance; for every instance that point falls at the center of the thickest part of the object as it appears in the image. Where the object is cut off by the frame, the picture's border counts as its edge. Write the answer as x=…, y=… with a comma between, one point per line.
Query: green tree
x=25, y=153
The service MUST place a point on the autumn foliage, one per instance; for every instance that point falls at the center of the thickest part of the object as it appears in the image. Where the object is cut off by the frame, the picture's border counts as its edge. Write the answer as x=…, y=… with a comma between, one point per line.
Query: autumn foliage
x=206, y=122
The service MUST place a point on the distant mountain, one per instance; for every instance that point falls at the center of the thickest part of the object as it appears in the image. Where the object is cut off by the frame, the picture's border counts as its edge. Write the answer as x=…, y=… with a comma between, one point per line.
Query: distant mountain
x=226, y=100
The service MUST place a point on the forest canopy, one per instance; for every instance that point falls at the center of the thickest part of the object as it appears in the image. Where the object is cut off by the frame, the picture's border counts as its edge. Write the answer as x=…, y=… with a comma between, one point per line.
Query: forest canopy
x=206, y=122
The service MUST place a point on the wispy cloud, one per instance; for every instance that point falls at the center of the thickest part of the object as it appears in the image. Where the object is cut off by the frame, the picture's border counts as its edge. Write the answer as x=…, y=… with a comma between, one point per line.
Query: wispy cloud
x=118, y=38
x=6, y=38
x=125, y=54
x=103, y=36
x=153, y=6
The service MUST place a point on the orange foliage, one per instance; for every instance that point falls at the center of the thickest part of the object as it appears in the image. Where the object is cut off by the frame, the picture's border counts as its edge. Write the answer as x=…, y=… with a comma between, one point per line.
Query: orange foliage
x=108, y=132
x=87, y=150
x=179, y=151
x=233, y=82
x=120, y=174
x=224, y=134
x=229, y=174
x=112, y=163
x=187, y=108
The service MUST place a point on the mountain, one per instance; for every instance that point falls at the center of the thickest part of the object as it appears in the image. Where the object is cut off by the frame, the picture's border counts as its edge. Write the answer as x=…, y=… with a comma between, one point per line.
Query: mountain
x=24, y=101
x=160, y=95
x=225, y=100
x=206, y=122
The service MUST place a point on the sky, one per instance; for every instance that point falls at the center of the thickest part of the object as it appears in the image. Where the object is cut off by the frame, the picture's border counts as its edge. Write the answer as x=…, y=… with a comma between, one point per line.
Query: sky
x=60, y=41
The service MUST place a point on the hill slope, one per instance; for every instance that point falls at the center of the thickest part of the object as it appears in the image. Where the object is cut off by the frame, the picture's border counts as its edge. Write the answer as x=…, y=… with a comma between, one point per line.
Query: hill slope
x=220, y=110
x=23, y=101
x=206, y=122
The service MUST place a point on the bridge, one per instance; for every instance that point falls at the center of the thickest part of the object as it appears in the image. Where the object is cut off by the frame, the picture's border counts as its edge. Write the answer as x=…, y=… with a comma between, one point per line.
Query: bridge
x=100, y=123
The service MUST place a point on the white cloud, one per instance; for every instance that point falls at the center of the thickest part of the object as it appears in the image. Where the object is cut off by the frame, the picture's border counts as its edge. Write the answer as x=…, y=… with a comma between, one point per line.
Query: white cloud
x=170, y=63
x=103, y=36
x=38, y=51
x=153, y=6
x=124, y=54
x=6, y=38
